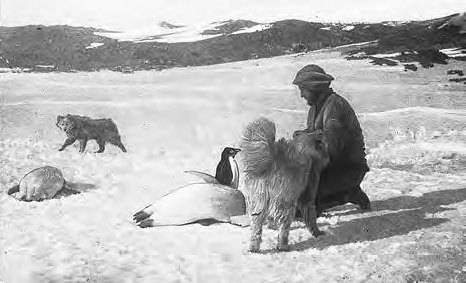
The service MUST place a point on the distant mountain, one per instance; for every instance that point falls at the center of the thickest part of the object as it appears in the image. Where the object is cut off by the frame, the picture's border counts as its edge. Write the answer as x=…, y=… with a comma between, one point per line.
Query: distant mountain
x=457, y=21
x=425, y=42
x=66, y=48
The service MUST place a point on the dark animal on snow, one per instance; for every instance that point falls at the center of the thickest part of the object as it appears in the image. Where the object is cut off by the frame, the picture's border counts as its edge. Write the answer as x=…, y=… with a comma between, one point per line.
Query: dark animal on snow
x=83, y=128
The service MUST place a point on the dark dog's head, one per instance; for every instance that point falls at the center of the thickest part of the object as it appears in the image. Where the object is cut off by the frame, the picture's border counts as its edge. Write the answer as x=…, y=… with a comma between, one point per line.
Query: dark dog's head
x=310, y=145
x=64, y=123
x=59, y=121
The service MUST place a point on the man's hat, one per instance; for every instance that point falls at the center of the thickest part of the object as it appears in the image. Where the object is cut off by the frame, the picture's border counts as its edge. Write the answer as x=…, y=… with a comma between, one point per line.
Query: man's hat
x=312, y=76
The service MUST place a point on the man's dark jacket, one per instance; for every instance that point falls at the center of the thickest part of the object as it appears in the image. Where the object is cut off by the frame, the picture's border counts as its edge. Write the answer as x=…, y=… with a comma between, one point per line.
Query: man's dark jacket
x=345, y=141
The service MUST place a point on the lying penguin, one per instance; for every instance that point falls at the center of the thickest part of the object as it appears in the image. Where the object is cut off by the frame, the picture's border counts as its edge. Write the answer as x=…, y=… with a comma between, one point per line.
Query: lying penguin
x=40, y=184
x=216, y=200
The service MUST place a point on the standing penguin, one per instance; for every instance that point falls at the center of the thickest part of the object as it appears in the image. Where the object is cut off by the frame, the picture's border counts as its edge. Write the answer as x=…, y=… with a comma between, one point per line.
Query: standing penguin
x=227, y=172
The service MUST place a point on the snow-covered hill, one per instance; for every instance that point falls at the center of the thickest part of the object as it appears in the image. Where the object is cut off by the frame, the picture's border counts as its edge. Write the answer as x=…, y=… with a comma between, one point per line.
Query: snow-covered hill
x=169, y=33
x=165, y=45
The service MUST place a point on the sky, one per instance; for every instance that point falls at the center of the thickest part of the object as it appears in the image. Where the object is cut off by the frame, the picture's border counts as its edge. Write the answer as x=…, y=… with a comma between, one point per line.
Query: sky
x=125, y=15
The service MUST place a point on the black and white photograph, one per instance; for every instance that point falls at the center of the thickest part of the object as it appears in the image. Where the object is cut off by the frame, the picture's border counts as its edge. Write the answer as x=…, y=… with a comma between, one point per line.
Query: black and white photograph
x=232, y=141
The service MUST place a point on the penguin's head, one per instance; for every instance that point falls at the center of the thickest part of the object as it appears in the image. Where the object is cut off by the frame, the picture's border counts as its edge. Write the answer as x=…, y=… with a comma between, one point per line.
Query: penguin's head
x=230, y=151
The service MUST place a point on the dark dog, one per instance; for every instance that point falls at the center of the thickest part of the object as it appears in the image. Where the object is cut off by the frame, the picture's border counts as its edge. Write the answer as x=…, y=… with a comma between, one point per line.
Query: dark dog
x=276, y=174
x=83, y=128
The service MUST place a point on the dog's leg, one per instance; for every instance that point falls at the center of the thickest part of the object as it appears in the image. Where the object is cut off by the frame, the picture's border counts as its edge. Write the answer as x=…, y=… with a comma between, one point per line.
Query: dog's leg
x=117, y=141
x=101, y=144
x=257, y=220
x=121, y=146
x=68, y=141
x=308, y=207
x=310, y=219
x=82, y=145
x=285, y=231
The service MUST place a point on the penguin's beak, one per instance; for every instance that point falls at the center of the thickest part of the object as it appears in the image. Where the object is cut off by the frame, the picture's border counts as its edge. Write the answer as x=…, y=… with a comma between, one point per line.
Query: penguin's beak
x=236, y=150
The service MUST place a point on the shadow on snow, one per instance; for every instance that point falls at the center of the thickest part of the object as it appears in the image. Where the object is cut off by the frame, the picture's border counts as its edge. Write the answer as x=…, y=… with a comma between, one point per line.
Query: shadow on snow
x=417, y=213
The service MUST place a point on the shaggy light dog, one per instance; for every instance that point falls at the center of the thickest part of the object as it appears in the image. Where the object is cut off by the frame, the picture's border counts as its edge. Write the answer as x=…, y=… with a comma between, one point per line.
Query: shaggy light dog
x=276, y=174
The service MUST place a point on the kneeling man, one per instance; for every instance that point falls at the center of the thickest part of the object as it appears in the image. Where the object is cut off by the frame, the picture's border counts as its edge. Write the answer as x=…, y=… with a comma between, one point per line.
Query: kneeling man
x=340, y=180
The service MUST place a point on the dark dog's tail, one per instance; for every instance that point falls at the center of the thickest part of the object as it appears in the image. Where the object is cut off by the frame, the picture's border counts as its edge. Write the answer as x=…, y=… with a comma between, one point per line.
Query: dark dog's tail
x=257, y=146
x=13, y=190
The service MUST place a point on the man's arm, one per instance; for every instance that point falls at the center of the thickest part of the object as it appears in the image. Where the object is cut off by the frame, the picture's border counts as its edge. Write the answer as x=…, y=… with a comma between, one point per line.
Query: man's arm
x=310, y=123
x=334, y=137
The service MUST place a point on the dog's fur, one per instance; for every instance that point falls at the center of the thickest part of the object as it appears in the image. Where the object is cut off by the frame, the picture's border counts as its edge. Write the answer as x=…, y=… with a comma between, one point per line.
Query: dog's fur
x=276, y=174
x=83, y=128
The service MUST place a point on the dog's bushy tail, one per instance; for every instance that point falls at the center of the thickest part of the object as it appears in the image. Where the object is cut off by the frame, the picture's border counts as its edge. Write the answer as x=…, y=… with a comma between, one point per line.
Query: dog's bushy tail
x=257, y=147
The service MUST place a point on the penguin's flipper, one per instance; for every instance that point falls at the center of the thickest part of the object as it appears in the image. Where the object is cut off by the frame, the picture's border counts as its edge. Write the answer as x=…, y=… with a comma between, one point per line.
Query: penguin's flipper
x=204, y=176
x=13, y=190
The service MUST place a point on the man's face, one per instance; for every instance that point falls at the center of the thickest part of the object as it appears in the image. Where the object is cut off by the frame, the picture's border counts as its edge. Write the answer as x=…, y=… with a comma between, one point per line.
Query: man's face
x=310, y=95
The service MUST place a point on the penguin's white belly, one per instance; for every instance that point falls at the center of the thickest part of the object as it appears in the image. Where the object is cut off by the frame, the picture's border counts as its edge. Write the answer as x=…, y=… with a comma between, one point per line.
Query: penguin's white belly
x=235, y=172
x=196, y=202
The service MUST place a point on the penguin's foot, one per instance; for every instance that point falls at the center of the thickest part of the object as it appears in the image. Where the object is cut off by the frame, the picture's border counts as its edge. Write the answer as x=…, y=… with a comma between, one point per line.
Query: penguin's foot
x=140, y=216
x=146, y=223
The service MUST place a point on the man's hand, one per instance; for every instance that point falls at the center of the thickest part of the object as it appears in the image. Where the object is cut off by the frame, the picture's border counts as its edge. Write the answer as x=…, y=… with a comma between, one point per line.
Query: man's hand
x=300, y=132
